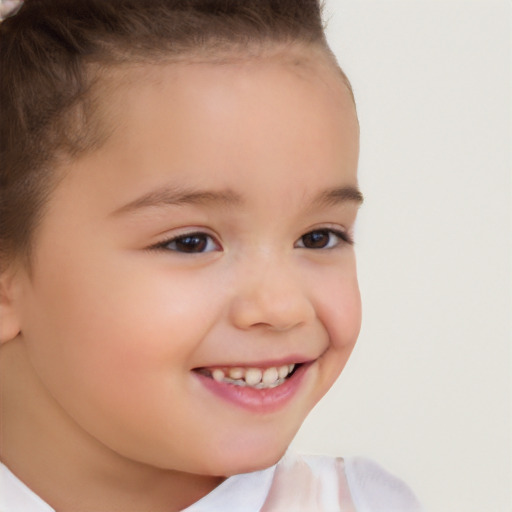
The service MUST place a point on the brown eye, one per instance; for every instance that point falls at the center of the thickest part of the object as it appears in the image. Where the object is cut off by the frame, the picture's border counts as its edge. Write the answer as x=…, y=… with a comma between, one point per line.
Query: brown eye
x=316, y=239
x=192, y=243
x=323, y=239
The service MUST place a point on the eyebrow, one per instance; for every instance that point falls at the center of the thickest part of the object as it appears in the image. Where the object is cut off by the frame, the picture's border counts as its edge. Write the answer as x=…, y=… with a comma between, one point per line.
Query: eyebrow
x=170, y=196
x=338, y=195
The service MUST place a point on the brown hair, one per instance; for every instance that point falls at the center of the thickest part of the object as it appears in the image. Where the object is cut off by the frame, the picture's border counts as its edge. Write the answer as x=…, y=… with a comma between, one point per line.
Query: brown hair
x=52, y=53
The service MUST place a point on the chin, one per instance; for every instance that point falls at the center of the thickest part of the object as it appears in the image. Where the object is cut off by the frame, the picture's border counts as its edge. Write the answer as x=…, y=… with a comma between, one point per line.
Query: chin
x=248, y=456
x=262, y=462
x=246, y=466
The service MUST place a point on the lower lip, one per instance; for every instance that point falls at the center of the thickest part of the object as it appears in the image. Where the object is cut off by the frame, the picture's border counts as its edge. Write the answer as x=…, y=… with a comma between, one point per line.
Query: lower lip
x=257, y=400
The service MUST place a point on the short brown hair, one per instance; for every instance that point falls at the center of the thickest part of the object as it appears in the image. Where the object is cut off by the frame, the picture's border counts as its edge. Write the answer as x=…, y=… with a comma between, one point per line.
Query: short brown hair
x=49, y=49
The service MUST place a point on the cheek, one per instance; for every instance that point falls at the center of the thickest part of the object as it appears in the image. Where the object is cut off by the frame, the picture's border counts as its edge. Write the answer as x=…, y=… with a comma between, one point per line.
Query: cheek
x=113, y=344
x=339, y=309
x=110, y=329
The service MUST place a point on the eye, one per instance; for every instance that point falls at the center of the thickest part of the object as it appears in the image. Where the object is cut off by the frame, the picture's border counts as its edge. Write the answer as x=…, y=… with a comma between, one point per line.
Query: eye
x=190, y=243
x=323, y=239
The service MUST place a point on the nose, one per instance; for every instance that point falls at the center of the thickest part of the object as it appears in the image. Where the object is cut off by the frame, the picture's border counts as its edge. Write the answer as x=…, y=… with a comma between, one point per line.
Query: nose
x=272, y=298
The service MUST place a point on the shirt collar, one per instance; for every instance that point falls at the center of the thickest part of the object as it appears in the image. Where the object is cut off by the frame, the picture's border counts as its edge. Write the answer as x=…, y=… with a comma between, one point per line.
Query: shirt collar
x=16, y=496
x=240, y=492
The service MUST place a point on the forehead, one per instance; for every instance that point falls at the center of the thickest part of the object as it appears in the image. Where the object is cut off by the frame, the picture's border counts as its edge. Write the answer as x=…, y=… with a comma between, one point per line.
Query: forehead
x=238, y=82
x=220, y=123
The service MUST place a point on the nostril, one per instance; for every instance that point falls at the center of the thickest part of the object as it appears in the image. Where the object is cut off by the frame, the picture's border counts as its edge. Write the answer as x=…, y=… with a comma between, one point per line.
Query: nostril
x=271, y=305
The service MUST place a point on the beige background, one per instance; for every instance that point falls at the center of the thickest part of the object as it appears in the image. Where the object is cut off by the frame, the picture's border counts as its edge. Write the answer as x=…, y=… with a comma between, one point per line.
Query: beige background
x=427, y=392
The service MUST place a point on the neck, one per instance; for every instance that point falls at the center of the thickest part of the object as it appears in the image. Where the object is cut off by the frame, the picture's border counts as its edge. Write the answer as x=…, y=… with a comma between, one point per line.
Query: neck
x=68, y=468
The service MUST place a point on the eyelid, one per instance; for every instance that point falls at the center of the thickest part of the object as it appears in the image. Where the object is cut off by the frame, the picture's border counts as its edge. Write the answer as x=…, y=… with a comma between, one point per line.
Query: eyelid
x=345, y=236
x=163, y=244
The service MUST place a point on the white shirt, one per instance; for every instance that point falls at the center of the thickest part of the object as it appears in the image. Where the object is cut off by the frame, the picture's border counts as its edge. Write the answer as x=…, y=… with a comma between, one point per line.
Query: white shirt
x=295, y=484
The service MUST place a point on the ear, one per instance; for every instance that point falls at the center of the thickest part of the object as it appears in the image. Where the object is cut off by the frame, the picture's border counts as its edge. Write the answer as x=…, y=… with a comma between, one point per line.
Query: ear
x=10, y=325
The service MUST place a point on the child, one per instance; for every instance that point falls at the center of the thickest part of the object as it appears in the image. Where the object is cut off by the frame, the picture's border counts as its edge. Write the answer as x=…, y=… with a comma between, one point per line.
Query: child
x=178, y=282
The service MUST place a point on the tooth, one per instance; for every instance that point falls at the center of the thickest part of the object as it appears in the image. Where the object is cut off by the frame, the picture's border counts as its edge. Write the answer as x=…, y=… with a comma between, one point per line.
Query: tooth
x=236, y=373
x=270, y=376
x=253, y=376
x=218, y=375
x=283, y=371
x=290, y=368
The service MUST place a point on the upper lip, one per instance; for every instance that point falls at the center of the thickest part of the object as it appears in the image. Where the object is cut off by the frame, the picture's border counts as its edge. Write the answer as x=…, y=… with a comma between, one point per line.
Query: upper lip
x=268, y=363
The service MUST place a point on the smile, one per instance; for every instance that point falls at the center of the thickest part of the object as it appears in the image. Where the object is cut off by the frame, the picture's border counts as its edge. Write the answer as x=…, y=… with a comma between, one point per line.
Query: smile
x=258, y=378
x=259, y=389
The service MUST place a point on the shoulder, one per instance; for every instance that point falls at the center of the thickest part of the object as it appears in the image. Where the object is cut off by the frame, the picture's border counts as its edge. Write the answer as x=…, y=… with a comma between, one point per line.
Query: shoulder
x=374, y=489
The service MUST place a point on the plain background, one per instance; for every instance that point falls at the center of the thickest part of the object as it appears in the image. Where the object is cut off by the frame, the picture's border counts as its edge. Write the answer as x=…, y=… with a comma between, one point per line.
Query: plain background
x=427, y=392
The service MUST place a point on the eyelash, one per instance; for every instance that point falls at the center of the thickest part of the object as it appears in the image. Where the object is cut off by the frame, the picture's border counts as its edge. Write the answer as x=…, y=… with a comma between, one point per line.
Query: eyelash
x=199, y=234
x=343, y=238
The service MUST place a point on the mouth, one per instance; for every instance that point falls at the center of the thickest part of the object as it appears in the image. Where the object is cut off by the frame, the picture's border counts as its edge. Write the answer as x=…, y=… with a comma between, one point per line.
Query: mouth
x=256, y=388
x=253, y=377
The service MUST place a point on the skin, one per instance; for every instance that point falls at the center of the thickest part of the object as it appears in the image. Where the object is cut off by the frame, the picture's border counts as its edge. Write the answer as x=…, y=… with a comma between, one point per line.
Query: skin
x=101, y=409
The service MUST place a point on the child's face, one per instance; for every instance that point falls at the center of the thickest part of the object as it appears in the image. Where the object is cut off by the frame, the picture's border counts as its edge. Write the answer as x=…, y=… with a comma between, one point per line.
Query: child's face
x=244, y=159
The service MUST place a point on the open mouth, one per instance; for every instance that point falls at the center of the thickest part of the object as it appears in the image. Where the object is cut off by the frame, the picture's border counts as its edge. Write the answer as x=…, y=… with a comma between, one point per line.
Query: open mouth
x=257, y=378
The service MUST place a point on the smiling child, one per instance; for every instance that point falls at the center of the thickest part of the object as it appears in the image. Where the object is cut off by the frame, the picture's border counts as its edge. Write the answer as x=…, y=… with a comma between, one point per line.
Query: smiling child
x=178, y=281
